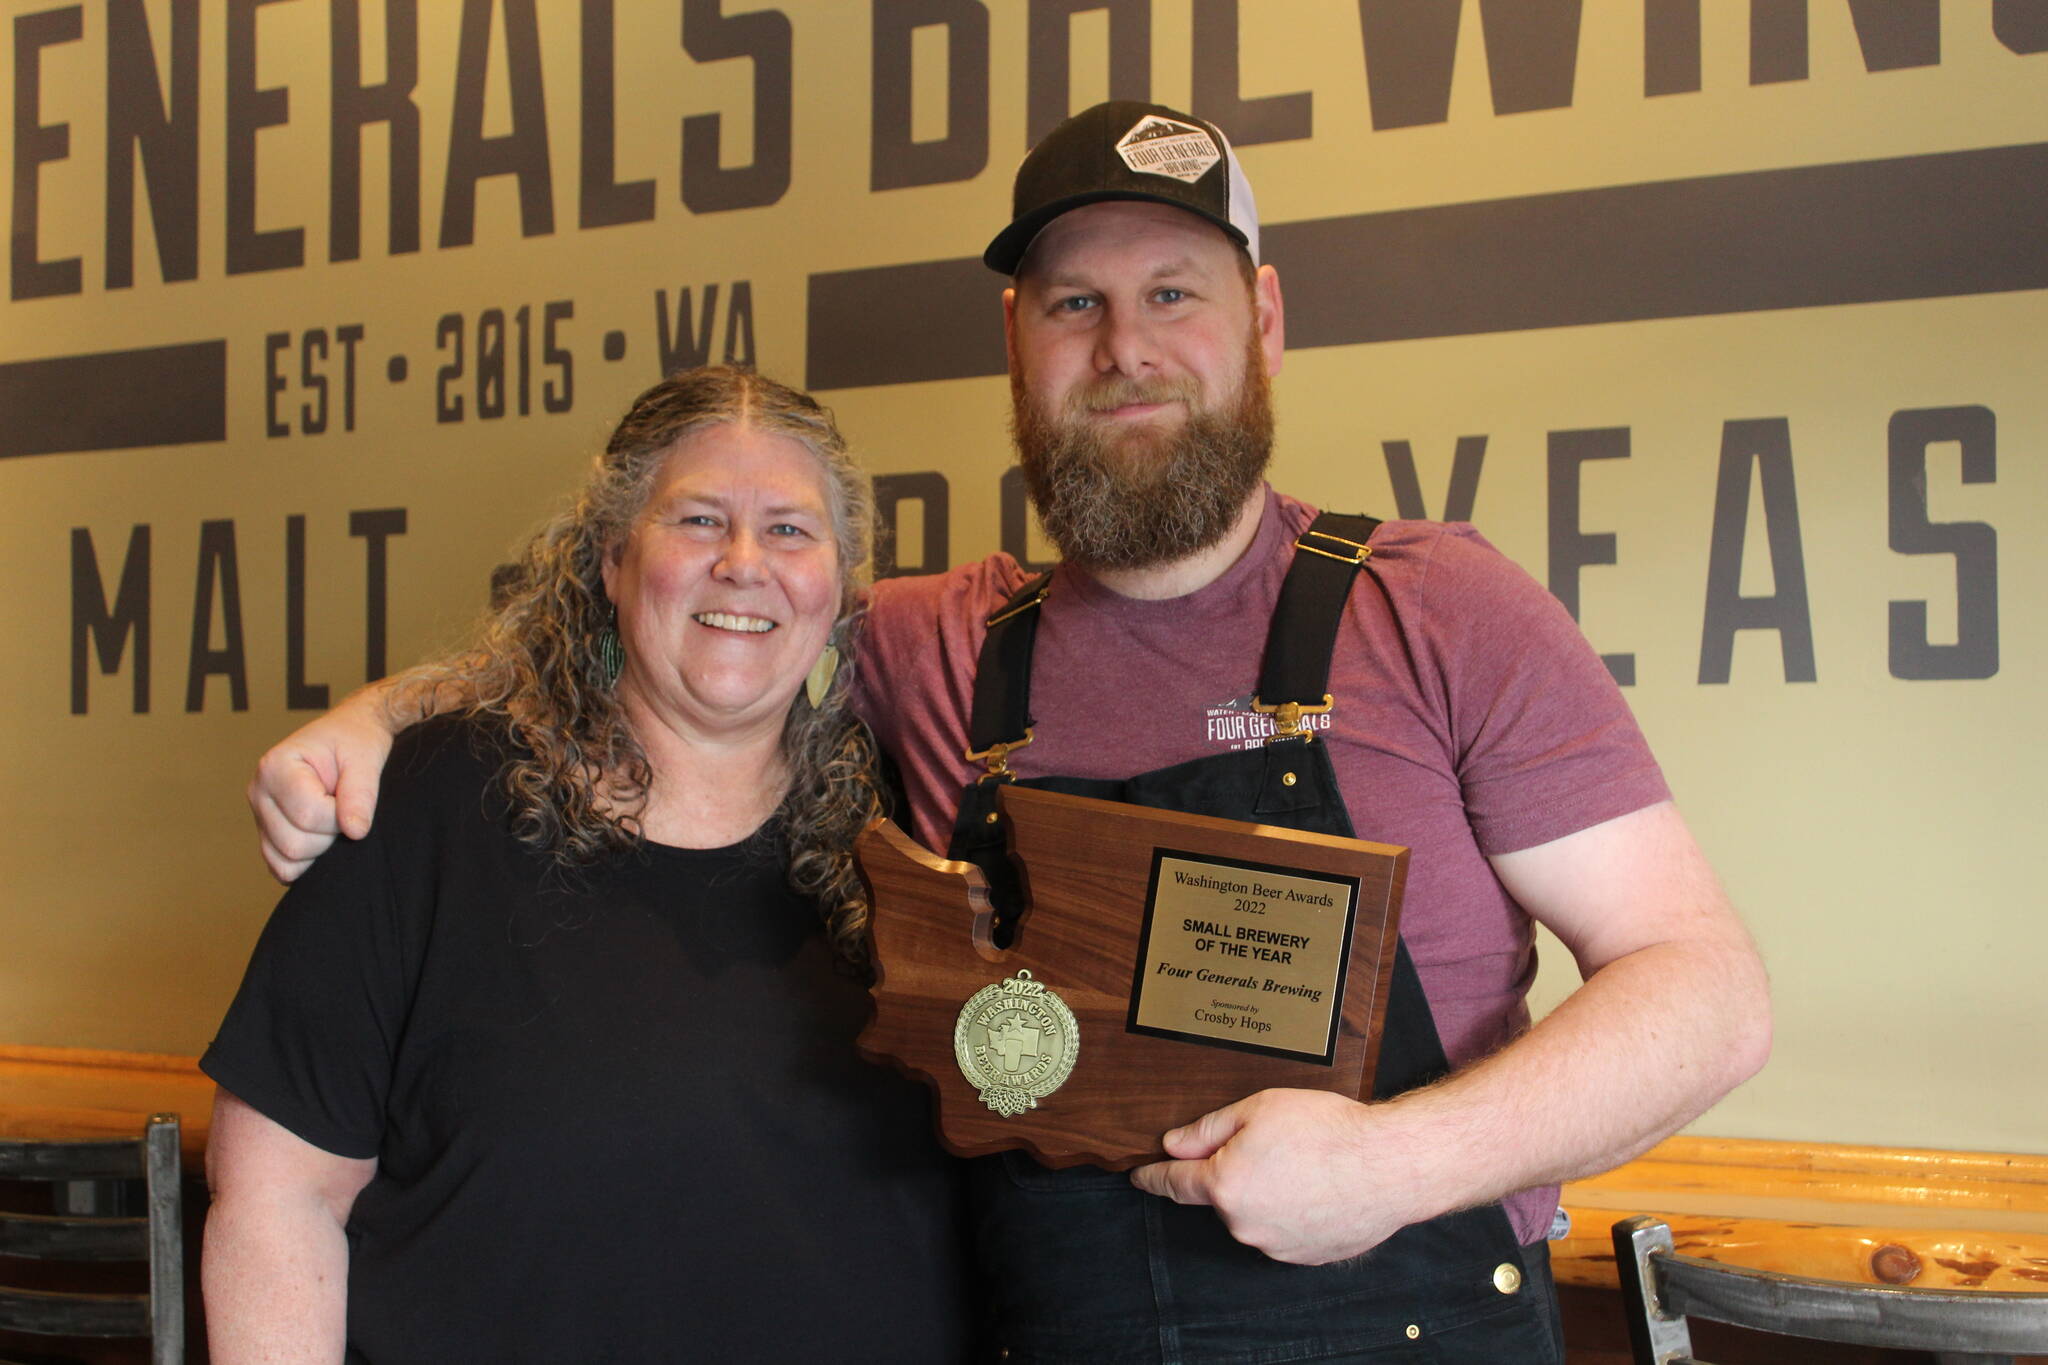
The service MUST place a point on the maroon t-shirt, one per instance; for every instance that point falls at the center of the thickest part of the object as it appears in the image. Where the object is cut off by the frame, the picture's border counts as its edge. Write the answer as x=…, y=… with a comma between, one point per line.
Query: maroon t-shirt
x=1471, y=720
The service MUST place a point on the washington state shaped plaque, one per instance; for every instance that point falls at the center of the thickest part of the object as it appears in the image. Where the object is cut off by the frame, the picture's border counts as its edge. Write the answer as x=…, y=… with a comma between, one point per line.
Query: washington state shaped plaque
x=1164, y=965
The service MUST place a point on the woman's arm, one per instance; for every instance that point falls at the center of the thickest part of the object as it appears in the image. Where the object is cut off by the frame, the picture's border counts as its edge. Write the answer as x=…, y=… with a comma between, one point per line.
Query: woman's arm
x=275, y=1265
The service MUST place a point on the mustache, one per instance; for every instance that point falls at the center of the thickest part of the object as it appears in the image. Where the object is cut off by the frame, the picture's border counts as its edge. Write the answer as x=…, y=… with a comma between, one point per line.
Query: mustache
x=1116, y=391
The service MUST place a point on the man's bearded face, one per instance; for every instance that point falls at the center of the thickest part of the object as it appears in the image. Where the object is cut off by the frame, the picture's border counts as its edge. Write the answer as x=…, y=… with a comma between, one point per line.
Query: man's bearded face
x=1137, y=495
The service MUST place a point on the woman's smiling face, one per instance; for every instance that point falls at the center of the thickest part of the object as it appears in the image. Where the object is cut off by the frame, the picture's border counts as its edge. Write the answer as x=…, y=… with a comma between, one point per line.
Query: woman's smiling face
x=727, y=585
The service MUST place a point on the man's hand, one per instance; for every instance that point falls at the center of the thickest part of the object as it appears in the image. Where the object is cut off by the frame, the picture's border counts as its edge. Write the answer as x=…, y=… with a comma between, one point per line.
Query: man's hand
x=320, y=781
x=1304, y=1176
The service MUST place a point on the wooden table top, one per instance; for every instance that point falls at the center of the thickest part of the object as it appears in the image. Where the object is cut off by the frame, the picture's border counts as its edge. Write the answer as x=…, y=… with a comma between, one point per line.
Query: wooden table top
x=63, y=1092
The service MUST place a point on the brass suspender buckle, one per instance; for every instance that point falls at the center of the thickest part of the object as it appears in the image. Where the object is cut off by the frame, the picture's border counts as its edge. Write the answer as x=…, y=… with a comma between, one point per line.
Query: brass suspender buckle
x=1353, y=551
x=997, y=756
x=1287, y=714
x=1018, y=610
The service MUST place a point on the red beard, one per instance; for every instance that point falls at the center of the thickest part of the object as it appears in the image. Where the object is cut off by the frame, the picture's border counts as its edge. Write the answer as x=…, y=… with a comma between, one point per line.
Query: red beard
x=1143, y=497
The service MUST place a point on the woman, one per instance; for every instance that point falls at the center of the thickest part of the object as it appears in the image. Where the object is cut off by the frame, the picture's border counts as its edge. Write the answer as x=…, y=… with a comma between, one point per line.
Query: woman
x=556, y=1063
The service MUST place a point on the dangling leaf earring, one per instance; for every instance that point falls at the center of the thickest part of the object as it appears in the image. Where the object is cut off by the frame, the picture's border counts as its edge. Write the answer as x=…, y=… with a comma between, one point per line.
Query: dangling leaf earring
x=819, y=681
x=611, y=652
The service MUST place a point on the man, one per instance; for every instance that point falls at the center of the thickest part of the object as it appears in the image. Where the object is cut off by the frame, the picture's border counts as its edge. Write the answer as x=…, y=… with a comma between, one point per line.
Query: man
x=1467, y=720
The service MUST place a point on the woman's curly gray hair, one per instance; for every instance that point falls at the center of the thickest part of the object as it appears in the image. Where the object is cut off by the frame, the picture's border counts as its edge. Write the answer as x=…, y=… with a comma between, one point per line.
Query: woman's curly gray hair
x=583, y=777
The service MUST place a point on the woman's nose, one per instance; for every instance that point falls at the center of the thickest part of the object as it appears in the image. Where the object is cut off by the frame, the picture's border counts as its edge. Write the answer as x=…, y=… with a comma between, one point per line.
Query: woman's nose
x=741, y=563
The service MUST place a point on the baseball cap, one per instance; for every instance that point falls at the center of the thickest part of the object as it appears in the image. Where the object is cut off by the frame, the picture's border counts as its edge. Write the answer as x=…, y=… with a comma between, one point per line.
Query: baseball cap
x=1127, y=150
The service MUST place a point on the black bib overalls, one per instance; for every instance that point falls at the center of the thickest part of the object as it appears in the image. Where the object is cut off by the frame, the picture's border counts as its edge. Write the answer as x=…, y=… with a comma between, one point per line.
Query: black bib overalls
x=1078, y=1265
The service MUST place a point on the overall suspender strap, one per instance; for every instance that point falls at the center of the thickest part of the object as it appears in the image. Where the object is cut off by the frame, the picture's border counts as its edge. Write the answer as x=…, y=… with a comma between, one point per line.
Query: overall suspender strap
x=1002, y=691
x=1294, y=676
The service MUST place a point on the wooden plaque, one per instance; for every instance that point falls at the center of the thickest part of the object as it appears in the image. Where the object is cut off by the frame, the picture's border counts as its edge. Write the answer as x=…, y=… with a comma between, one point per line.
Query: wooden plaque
x=1194, y=961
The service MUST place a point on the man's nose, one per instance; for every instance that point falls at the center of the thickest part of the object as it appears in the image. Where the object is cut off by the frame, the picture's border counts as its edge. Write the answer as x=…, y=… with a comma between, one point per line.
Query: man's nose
x=1124, y=344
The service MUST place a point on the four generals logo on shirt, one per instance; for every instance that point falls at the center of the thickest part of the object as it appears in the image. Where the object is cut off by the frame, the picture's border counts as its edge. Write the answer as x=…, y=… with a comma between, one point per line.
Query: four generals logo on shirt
x=1233, y=724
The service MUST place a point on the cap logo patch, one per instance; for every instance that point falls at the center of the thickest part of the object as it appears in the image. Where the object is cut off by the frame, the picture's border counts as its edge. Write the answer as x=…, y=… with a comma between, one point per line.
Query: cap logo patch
x=1168, y=147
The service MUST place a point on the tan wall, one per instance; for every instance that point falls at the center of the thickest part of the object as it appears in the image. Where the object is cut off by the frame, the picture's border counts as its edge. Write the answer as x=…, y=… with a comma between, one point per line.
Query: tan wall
x=1874, y=827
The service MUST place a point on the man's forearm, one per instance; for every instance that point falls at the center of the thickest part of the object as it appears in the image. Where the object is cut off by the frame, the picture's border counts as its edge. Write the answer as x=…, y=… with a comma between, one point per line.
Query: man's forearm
x=404, y=699
x=1673, y=1013
x=1644, y=1046
x=321, y=780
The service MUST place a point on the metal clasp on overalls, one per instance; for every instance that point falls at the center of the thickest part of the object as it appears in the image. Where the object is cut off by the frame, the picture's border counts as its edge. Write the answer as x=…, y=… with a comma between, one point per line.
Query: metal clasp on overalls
x=1287, y=714
x=1354, y=551
x=1019, y=610
x=997, y=757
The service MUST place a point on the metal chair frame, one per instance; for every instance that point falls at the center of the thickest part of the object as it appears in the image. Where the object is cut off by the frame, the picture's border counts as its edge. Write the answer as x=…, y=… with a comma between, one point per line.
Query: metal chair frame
x=156, y=1238
x=1661, y=1289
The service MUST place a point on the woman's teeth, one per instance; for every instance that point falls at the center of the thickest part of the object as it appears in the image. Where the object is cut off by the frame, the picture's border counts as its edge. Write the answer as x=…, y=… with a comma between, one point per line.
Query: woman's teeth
x=752, y=625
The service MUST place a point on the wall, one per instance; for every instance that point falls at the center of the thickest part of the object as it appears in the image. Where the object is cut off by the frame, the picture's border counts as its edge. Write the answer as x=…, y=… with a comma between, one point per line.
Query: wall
x=1725, y=320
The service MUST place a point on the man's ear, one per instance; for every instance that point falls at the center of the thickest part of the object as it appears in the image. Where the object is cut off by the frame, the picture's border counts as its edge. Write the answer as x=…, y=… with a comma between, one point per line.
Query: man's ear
x=1010, y=328
x=1271, y=316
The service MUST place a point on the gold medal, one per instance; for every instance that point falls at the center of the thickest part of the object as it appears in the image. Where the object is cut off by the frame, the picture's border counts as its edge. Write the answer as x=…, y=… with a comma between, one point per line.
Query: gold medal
x=1016, y=1042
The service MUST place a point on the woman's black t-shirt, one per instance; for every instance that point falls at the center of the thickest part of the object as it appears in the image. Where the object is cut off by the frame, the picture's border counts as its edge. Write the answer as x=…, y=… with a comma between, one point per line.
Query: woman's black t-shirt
x=616, y=1119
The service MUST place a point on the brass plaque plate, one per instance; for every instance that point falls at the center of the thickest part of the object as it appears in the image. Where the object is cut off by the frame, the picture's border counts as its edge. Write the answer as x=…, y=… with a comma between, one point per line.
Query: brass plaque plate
x=1243, y=955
